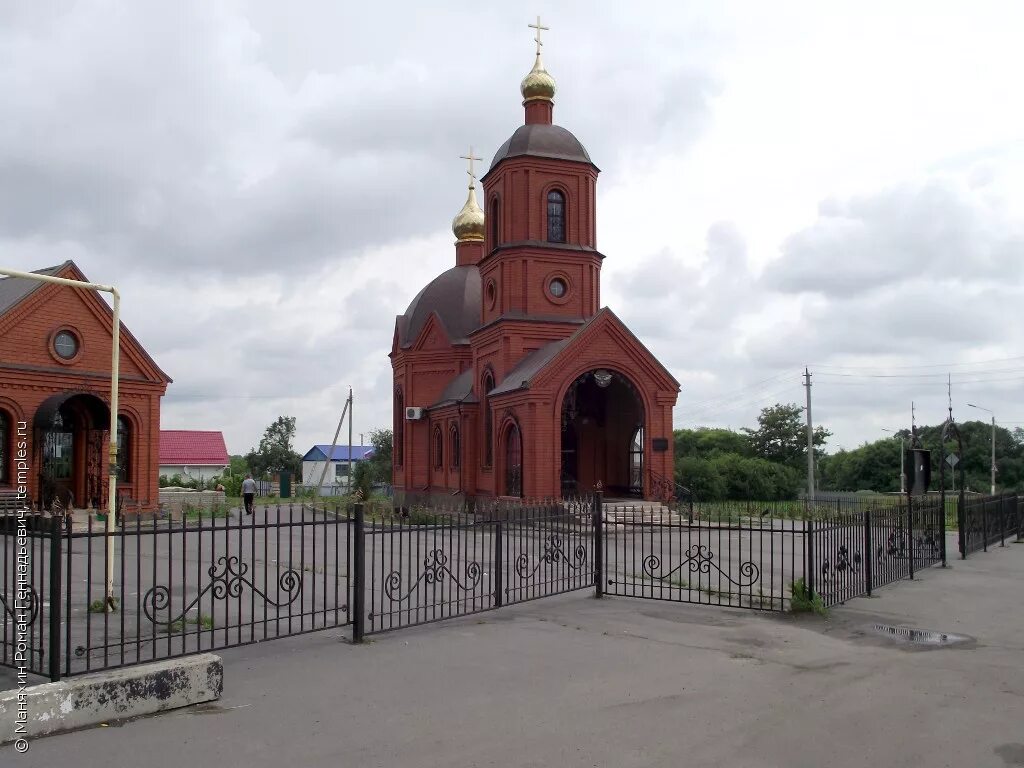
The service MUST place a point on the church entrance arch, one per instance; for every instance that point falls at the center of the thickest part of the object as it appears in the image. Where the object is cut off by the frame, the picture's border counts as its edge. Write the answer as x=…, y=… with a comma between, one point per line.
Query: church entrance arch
x=602, y=435
x=72, y=429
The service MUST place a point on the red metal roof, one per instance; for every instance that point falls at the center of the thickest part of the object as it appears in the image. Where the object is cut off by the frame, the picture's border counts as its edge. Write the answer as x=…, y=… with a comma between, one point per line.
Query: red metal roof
x=192, y=447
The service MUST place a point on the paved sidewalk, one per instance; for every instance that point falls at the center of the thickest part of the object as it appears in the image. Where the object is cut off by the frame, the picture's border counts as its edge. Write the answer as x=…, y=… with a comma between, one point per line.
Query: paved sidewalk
x=573, y=681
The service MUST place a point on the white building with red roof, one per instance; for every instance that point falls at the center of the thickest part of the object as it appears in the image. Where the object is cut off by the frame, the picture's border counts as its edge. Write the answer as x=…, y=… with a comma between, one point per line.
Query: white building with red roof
x=194, y=454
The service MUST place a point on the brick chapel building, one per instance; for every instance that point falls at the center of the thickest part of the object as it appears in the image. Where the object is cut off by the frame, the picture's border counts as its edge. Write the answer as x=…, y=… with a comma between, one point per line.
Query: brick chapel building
x=55, y=345
x=510, y=379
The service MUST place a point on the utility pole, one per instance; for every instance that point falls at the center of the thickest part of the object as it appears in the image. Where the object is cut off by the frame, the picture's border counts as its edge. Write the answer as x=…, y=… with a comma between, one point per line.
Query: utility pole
x=972, y=405
x=350, y=439
x=334, y=442
x=810, y=440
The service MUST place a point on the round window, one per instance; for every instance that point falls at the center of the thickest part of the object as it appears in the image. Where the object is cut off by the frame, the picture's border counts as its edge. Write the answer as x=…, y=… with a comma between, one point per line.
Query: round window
x=557, y=287
x=65, y=344
x=492, y=293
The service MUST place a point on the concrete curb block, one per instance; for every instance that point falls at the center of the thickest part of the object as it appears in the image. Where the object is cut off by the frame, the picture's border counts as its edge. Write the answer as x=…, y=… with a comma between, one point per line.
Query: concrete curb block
x=112, y=695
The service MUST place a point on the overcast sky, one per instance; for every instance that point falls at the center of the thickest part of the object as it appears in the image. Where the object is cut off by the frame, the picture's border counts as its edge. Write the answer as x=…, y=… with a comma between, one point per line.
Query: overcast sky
x=837, y=185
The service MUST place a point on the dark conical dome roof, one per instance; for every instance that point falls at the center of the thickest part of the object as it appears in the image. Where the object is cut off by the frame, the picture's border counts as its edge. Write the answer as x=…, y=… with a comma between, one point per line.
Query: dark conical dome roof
x=542, y=140
x=456, y=297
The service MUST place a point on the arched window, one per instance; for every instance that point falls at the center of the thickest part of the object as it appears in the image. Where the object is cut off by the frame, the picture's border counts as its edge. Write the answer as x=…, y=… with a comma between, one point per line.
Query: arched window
x=398, y=445
x=5, y=452
x=455, y=448
x=438, y=448
x=513, y=462
x=556, y=217
x=488, y=421
x=636, y=461
x=493, y=220
x=124, y=450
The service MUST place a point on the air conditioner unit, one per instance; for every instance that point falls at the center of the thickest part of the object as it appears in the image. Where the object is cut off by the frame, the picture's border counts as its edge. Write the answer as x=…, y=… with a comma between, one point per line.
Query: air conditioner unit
x=413, y=414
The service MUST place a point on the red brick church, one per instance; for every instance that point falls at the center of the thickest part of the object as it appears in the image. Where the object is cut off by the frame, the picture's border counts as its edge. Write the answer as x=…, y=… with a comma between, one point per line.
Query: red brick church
x=510, y=378
x=55, y=347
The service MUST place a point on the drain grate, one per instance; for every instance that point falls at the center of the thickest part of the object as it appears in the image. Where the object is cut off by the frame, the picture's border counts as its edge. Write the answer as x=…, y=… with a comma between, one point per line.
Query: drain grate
x=919, y=636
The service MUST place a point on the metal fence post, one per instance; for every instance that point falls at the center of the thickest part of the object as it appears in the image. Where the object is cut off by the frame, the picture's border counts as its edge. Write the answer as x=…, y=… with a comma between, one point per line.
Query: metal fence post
x=1002, y=520
x=910, y=535
x=358, y=563
x=55, y=596
x=942, y=532
x=499, y=568
x=599, y=544
x=961, y=525
x=1020, y=518
x=984, y=526
x=809, y=560
x=868, y=556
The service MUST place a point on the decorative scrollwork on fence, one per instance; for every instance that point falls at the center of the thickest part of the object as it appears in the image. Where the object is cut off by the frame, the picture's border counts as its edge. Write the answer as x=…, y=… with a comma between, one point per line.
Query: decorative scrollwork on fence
x=227, y=578
x=553, y=553
x=844, y=563
x=700, y=559
x=435, y=570
x=19, y=606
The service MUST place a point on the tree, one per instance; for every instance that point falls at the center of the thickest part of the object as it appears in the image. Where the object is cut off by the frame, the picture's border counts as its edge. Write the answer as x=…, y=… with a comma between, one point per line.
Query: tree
x=376, y=469
x=275, y=453
x=705, y=442
x=781, y=436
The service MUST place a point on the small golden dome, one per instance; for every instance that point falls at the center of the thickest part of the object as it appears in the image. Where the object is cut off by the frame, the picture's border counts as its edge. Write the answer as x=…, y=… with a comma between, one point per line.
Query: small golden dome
x=468, y=225
x=538, y=84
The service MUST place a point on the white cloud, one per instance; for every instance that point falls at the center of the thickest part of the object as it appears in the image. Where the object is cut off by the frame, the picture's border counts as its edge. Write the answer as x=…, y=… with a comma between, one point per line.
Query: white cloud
x=782, y=185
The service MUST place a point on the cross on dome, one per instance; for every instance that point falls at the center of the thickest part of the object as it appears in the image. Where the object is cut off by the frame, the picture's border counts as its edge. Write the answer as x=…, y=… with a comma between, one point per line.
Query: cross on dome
x=471, y=157
x=538, y=27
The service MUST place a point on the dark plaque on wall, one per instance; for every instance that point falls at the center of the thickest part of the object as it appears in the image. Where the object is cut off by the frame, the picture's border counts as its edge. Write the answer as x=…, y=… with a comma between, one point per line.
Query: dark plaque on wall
x=920, y=462
x=659, y=444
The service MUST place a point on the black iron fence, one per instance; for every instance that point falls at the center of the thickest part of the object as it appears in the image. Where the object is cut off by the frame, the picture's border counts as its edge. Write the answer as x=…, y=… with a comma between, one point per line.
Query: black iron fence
x=437, y=564
x=215, y=579
x=989, y=520
x=176, y=587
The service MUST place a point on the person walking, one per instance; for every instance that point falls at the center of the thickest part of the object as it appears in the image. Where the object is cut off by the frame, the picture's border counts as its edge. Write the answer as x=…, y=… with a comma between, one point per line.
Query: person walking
x=248, y=493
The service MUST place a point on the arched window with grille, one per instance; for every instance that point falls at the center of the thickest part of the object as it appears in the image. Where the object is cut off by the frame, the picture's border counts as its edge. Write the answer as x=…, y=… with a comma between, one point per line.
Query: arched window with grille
x=124, y=450
x=5, y=449
x=488, y=385
x=398, y=446
x=513, y=461
x=438, y=448
x=454, y=447
x=556, y=217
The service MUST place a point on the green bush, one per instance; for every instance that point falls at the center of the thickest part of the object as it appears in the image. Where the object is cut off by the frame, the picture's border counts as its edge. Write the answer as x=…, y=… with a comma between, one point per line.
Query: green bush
x=803, y=602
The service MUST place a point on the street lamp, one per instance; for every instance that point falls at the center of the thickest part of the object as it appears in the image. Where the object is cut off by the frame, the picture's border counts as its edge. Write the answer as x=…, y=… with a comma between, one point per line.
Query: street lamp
x=903, y=452
x=972, y=405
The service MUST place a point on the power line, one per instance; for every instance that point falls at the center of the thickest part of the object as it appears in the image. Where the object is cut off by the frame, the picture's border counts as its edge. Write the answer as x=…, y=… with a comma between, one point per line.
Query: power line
x=727, y=395
x=994, y=371
x=923, y=365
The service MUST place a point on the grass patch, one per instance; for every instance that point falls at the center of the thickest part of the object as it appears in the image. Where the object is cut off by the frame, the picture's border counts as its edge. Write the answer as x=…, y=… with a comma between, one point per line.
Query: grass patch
x=204, y=621
x=194, y=512
x=100, y=606
x=803, y=602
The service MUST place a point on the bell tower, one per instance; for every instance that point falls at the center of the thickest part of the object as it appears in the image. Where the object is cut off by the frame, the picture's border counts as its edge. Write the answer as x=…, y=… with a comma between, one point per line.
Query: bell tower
x=539, y=256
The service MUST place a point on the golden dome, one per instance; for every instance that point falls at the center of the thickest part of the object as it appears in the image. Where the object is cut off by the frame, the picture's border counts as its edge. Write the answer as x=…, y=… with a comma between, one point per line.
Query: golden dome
x=538, y=84
x=468, y=225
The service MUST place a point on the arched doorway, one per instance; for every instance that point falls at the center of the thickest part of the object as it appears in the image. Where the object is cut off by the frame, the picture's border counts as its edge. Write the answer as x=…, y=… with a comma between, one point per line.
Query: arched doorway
x=602, y=435
x=71, y=433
